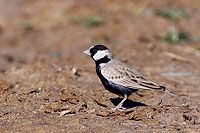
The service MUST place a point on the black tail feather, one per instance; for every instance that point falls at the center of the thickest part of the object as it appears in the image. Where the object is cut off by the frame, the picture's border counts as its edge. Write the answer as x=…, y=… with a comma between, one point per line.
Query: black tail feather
x=167, y=91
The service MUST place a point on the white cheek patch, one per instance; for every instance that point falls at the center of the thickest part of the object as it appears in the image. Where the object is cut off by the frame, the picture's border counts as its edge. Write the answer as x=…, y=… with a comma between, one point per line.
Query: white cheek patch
x=101, y=54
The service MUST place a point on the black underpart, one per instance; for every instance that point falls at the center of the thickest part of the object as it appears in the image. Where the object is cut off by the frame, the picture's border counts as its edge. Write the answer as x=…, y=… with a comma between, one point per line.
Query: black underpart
x=114, y=88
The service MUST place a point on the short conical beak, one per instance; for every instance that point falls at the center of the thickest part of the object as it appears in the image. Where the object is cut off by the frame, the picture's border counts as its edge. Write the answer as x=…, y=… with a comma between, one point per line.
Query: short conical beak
x=87, y=52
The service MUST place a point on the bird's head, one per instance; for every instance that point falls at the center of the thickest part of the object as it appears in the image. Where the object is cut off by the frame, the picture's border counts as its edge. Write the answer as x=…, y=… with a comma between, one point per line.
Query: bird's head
x=99, y=53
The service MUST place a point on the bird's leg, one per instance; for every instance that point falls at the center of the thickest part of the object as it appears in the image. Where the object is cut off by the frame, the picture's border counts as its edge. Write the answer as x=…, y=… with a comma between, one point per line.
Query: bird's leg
x=119, y=106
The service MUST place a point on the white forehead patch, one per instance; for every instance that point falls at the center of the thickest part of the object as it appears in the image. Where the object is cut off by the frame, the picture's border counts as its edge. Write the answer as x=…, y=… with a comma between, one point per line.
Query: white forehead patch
x=101, y=54
x=91, y=47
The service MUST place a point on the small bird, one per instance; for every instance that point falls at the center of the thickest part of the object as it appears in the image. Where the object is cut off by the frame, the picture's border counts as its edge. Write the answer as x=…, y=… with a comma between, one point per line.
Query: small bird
x=117, y=77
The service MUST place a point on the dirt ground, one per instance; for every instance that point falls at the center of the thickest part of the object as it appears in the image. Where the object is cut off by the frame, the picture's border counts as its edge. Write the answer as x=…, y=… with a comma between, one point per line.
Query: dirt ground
x=48, y=85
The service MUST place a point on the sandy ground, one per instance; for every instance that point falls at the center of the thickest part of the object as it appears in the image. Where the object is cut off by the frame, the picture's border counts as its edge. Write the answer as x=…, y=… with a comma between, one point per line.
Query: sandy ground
x=48, y=85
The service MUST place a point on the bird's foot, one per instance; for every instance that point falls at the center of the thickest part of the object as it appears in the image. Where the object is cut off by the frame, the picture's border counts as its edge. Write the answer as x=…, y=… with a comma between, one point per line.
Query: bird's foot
x=118, y=108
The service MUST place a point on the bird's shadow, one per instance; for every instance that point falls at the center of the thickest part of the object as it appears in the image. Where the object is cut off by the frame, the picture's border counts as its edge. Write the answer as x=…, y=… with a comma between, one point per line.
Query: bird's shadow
x=127, y=104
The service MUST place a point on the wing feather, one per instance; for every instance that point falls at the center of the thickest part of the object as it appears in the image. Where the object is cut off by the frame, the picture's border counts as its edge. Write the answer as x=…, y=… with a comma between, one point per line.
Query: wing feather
x=119, y=73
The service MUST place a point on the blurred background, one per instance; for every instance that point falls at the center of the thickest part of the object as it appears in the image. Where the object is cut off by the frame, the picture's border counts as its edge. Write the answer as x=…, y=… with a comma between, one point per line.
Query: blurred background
x=41, y=45
x=62, y=29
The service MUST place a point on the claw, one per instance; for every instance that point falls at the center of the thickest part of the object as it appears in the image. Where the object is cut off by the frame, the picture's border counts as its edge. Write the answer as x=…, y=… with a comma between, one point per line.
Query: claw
x=120, y=108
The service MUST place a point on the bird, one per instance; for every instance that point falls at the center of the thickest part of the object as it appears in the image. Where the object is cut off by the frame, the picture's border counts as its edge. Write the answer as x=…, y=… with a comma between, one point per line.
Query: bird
x=119, y=78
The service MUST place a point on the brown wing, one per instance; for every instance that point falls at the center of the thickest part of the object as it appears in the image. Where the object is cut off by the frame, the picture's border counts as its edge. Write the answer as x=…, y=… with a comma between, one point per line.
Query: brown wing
x=119, y=73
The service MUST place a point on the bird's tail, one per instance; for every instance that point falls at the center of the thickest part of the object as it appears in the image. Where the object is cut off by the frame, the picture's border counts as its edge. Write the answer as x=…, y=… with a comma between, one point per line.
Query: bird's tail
x=167, y=91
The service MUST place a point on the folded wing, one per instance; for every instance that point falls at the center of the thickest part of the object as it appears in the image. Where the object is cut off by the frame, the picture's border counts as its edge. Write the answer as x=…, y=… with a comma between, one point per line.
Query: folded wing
x=120, y=74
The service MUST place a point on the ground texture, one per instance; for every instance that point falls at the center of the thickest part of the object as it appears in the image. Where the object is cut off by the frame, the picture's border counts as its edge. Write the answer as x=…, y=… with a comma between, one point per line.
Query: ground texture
x=48, y=85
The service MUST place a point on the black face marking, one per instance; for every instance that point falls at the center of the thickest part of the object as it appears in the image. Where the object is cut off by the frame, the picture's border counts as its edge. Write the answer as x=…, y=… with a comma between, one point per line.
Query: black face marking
x=103, y=60
x=94, y=50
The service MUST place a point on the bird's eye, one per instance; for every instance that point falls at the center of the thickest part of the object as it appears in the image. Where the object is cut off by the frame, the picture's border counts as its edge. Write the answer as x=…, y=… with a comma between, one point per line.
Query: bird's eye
x=94, y=50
